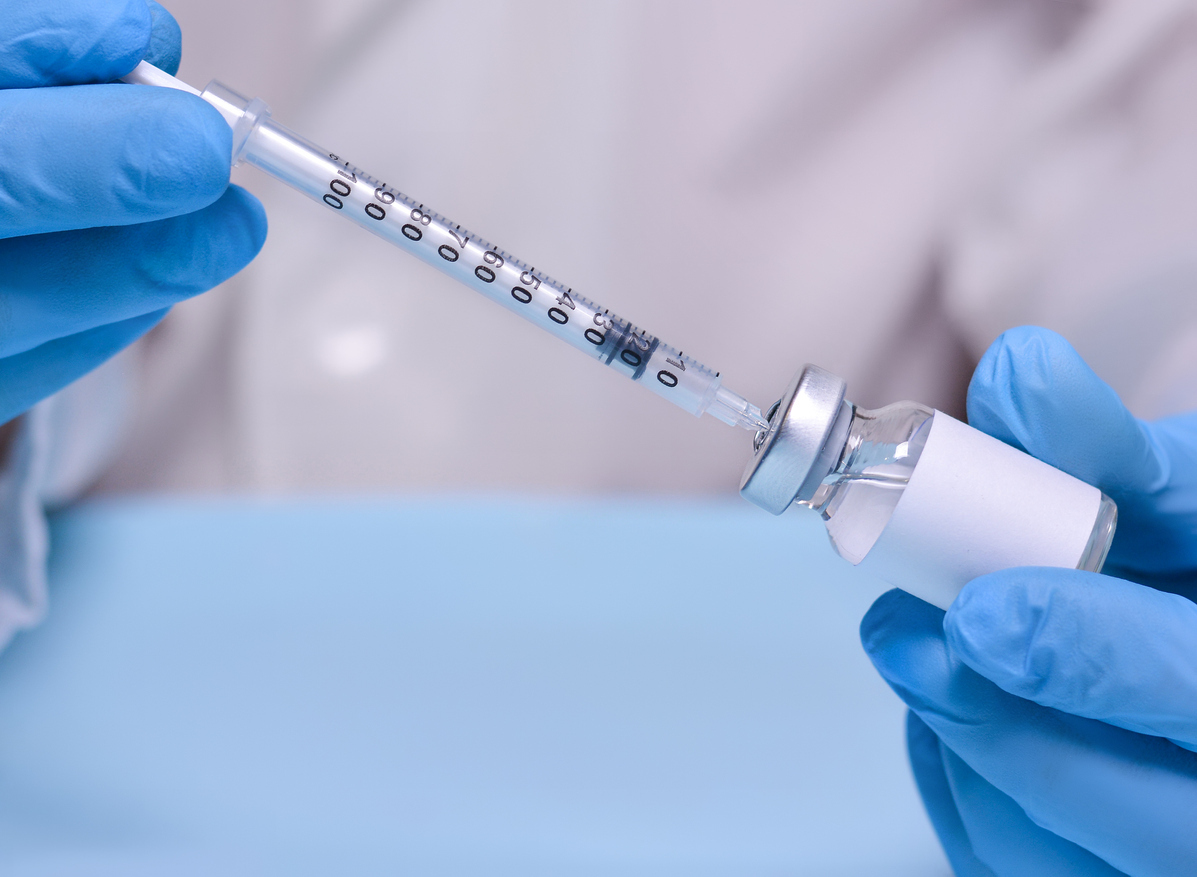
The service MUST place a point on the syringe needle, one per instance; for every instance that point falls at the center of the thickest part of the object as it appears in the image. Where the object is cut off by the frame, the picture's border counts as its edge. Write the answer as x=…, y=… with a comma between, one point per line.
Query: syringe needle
x=734, y=410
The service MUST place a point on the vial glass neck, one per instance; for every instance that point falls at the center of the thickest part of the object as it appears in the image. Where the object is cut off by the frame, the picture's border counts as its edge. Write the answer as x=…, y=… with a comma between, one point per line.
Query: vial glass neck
x=858, y=497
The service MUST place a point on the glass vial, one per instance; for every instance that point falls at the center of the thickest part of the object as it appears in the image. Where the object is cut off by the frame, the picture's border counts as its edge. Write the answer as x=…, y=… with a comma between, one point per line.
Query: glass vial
x=978, y=506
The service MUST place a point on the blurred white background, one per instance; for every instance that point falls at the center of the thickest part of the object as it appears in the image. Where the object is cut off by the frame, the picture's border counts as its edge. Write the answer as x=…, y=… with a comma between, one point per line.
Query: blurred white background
x=880, y=188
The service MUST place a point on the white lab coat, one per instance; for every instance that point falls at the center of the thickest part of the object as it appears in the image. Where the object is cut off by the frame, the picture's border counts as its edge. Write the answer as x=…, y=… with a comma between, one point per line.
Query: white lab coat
x=880, y=188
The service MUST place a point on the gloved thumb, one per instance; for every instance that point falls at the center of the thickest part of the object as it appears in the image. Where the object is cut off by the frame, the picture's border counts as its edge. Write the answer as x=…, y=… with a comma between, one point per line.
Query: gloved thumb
x=1032, y=390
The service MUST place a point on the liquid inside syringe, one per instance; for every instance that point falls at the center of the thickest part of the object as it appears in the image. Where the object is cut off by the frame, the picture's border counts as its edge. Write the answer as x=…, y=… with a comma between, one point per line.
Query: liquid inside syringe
x=327, y=178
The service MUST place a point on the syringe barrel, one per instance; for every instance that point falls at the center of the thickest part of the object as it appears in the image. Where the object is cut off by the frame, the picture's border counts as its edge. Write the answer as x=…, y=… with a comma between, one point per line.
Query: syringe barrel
x=488, y=270
x=326, y=178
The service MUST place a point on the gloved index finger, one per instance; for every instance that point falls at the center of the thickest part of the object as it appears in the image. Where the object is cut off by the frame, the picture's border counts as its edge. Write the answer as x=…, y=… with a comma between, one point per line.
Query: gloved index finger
x=67, y=42
x=99, y=155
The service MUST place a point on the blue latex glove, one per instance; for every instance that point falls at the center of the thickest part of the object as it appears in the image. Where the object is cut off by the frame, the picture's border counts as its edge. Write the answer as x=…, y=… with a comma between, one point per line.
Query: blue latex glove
x=1053, y=718
x=114, y=199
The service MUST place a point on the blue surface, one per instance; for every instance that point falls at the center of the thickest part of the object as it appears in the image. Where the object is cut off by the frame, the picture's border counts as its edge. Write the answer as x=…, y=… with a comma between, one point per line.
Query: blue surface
x=451, y=688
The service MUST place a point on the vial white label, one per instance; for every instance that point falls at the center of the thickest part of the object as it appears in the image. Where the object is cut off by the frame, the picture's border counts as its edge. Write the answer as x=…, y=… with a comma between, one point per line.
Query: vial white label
x=975, y=505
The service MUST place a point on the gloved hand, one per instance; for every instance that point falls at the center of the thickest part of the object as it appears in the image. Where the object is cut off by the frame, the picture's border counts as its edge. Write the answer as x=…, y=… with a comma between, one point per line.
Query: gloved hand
x=114, y=199
x=1053, y=713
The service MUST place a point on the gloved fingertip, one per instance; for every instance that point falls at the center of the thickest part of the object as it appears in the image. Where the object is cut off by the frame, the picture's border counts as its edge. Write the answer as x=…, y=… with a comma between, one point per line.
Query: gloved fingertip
x=893, y=611
x=176, y=156
x=257, y=224
x=1082, y=643
x=993, y=623
x=1033, y=391
x=244, y=227
x=165, y=50
x=1049, y=635
x=895, y=632
x=1021, y=363
x=190, y=254
x=123, y=44
x=987, y=400
x=903, y=637
x=889, y=612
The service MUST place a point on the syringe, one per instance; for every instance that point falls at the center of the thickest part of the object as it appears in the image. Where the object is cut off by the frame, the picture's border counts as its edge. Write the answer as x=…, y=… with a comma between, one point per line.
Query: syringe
x=327, y=178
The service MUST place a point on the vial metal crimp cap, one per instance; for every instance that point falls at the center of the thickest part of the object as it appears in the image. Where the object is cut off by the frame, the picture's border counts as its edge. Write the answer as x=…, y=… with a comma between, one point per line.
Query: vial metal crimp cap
x=802, y=446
